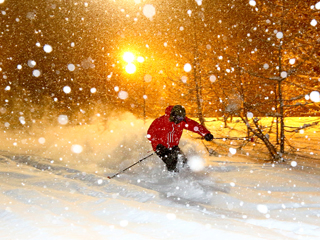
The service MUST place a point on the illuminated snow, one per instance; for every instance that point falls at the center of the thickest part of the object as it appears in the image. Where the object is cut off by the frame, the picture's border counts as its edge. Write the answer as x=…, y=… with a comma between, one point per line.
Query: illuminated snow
x=47, y=48
x=279, y=35
x=41, y=140
x=149, y=11
x=76, y=148
x=187, y=67
x=67, y=89
x=315, y=96
x=313, y=22
x=249, y=115
x=32, y=63
x=262, y=208
x=63, y=119
x=252, y=3
x=123, y=95
x=196, y=163
x=213, y=78
x=233, y=150
x=36, y=73
x=71, y=67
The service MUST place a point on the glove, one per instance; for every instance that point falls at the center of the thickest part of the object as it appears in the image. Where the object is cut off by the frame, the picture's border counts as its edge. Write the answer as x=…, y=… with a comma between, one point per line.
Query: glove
x=208, y=137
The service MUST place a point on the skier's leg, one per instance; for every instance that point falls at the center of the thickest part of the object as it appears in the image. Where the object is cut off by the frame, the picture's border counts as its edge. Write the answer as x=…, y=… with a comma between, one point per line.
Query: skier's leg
x=180, y=155
x=168, y=158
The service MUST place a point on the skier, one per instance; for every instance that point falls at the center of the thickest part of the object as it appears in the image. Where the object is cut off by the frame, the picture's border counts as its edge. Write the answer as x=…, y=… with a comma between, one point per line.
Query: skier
x=165, y=133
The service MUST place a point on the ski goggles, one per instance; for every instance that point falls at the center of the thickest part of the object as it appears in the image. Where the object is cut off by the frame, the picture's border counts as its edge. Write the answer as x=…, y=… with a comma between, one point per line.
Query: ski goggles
x=180, y=118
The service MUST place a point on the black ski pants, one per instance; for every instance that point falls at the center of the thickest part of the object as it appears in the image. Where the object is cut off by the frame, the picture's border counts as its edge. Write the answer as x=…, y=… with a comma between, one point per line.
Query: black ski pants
x=170, y=156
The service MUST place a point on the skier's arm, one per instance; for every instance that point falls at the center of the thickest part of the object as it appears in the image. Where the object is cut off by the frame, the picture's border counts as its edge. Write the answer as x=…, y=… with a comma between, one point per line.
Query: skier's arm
x=195, y=127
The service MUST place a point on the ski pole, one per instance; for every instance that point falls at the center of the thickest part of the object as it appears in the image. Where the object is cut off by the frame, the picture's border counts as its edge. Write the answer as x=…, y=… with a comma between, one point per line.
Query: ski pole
x=130, y=166
x=236, y=138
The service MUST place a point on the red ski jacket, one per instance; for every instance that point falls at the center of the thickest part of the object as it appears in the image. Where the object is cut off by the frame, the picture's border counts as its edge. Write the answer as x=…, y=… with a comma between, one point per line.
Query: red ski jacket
x=162, y=131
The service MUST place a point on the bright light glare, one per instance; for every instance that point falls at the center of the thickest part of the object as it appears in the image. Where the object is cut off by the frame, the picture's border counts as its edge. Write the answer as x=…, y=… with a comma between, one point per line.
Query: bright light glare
x=140, y=59
x=131, y=68
x=128, y=57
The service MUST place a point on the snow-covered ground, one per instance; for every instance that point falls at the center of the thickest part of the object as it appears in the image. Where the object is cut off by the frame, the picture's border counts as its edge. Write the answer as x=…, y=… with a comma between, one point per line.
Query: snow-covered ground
x=54, y=185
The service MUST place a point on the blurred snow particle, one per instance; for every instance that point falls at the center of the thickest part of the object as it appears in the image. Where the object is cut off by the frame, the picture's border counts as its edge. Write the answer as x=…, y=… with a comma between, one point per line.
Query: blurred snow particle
x=252, y=3
x=149, y=11
x=266, y=66
x=47, y=48
x=199, y=2
x=76, y=148
x=171, y=216
x=36, y=73
x=116, y=88
x=19, y=66
x=71, y=67
x=1, y=1
x=145, y=97
x=3, y=110
x=249, y=115
x=87, y=63
x=124, y=223
x=232, y=150
x=22, y=120
x=42, y=140
x=292, y=61
x=184, y=79
x=7, y=124
x=147, y=78
x=93, y=90
x=232, y=184
x=67, y=89
x=31, y=63
x=123, y=95
x=31, y=15
x=279, y=35
x=283, y=74
x=63, y=119
x=213, y=78
x=317, y=5
x=313, y=22
x=315, y=96
x=131, y=68
x=293, y=163
x=72, y=44
x=7, y=88
x=307, y=97
x=196, y=163
x=100, y=181
x=262, y=208
x=187, y=67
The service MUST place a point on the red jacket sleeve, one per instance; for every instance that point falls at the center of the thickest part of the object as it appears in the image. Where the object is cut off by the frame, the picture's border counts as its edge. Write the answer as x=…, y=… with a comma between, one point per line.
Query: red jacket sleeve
x=195, y=127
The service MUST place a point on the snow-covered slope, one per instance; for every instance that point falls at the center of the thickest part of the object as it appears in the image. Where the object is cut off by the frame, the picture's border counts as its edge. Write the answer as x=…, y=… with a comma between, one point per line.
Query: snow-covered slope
x=230, y=199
